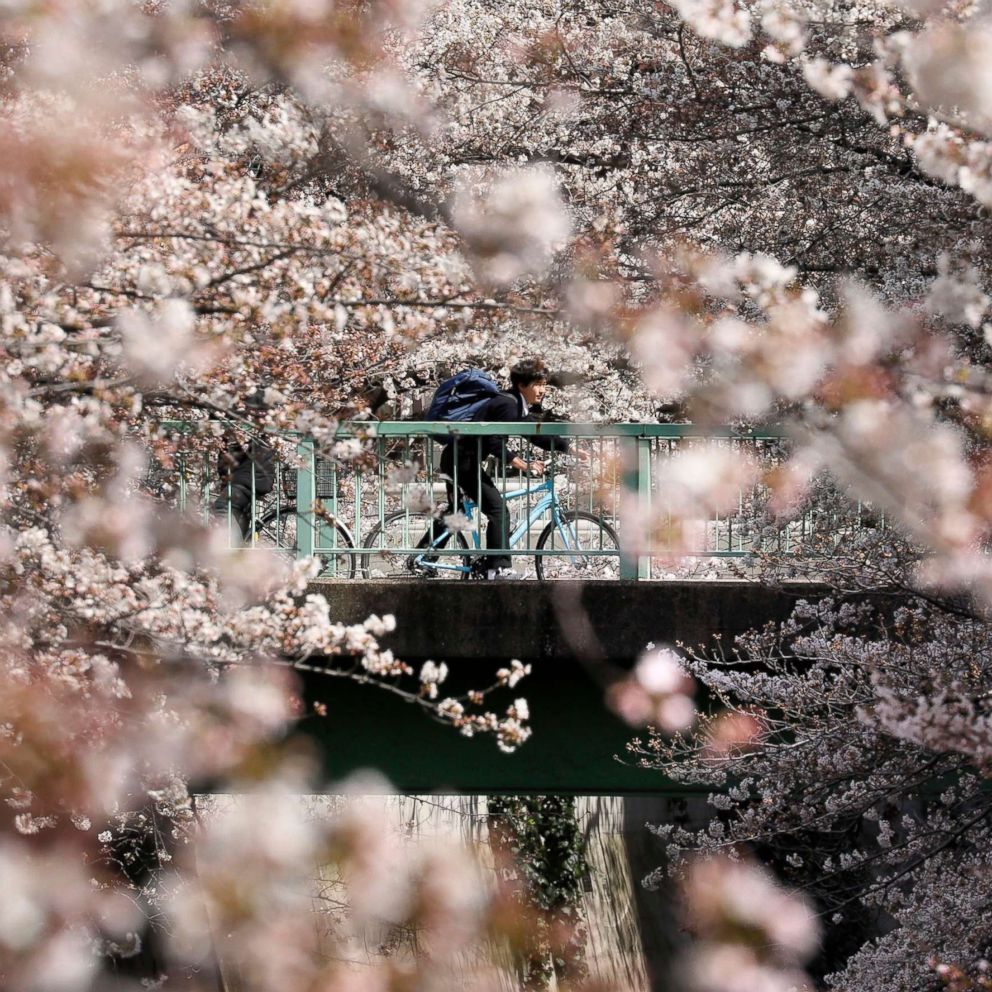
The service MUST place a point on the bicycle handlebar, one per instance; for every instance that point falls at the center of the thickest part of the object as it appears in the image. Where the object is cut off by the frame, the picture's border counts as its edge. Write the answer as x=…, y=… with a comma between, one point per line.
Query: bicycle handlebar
x=559, y=465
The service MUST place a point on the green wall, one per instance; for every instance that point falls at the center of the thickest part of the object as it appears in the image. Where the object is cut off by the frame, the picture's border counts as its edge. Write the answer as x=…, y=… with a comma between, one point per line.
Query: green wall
x=572, y=748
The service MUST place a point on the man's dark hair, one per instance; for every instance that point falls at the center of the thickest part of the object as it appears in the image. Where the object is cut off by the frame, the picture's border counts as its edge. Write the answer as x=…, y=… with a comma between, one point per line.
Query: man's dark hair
x=528, y=371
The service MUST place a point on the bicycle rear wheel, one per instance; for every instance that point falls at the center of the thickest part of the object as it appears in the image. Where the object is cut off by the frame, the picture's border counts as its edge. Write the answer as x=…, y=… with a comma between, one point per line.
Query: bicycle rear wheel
x=586, y=547
x=278, y=527
x=393, y=549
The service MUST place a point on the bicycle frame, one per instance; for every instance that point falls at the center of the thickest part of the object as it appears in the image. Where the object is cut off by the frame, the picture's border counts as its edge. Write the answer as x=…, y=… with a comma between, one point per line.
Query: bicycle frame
x=547, y=502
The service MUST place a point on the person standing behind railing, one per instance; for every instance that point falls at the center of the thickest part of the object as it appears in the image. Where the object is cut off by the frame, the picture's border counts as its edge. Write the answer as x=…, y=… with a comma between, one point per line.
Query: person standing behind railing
x=461, y=458
x=246, y=473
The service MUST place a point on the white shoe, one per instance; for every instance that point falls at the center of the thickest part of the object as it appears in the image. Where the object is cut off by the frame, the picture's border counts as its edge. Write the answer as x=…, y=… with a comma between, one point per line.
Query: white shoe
x=506, y=574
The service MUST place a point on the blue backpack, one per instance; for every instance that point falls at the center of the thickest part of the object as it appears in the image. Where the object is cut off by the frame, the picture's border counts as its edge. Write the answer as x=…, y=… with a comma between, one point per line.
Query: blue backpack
x=462, y=396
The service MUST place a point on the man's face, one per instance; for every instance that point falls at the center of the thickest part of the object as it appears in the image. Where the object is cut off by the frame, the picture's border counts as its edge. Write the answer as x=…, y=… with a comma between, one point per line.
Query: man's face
x=534, y=393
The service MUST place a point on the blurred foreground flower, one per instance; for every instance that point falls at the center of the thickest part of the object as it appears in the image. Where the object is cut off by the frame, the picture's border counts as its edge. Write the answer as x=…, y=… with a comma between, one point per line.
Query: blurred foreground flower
x=730, y=732
x=513, y=228
x=694, y=486
x=753, y=934
x=657, y=691
x=337, y=892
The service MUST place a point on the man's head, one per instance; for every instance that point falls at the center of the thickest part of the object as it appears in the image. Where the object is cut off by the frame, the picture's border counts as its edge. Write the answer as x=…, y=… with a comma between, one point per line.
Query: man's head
x=530, y=378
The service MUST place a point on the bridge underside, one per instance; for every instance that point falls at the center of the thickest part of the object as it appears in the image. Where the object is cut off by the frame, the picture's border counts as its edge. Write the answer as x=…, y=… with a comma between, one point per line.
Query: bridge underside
x=576, y=636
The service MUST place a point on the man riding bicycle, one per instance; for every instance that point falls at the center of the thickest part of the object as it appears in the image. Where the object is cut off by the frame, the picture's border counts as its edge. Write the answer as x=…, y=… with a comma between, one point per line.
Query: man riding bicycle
x=461, y=458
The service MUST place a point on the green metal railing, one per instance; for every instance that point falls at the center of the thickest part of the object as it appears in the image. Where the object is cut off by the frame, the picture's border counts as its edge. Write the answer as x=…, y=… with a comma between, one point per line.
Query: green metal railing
x=366, y=514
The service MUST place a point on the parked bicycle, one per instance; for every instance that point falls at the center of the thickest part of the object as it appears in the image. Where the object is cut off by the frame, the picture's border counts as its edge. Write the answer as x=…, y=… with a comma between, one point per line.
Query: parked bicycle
x=574, y=543
x=277, y=523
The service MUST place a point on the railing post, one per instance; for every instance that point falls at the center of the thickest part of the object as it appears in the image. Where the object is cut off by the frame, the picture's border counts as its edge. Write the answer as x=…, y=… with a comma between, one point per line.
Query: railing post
x=305, y=496
x=644, y=498
x=637, y=483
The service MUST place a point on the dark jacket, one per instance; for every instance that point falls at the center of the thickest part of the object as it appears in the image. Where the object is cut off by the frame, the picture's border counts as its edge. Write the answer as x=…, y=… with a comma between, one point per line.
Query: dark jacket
x=506, y=407
x=235, y=466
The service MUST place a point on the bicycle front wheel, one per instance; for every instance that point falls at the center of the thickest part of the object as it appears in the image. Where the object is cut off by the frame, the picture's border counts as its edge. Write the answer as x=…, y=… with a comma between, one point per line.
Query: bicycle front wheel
x=278, y=528
x=399, y=547
x=585, y=547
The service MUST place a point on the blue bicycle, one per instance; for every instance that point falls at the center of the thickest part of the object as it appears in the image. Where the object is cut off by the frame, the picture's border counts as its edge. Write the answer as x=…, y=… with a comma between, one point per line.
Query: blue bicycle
x=576, y=544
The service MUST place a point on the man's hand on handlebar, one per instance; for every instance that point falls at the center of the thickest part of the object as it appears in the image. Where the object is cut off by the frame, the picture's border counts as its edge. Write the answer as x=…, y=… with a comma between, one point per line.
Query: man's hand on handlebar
x=531, y=468
x=537, y=468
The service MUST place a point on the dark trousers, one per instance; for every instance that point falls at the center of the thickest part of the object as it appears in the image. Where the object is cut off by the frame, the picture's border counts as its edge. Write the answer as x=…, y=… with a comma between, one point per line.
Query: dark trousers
x=235, y=501
x=479, y=486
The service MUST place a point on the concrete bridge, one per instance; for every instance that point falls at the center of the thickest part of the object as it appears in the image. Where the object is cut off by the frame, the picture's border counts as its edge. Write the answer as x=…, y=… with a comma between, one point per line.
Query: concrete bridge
x=577, y=636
